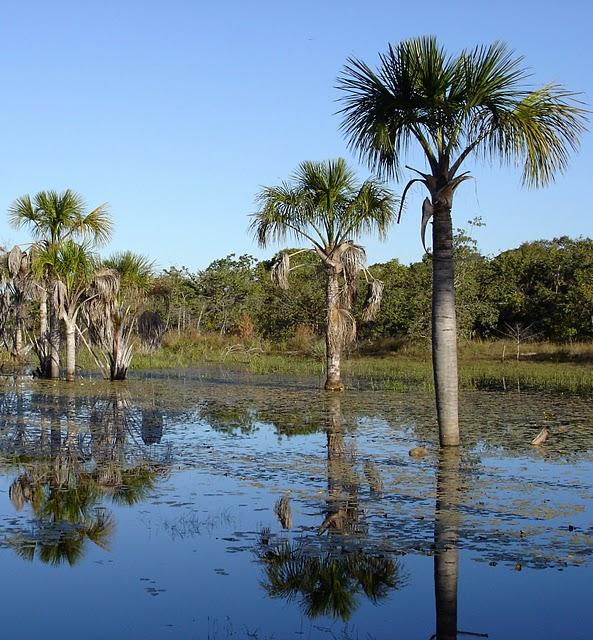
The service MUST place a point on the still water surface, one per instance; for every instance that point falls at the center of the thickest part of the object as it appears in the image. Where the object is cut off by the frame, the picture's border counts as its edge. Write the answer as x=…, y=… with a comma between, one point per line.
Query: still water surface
x=211, y=505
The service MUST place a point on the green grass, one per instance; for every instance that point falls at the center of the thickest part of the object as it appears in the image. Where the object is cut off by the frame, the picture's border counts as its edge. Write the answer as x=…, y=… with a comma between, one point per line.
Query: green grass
x=396, y=366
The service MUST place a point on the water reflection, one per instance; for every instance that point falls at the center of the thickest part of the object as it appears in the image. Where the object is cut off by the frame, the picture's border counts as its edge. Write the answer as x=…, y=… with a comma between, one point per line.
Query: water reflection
x=447, y=524
x=348, y=517
x=446, y=535
x=326, y=583
x=327, y=576
x=66, y=479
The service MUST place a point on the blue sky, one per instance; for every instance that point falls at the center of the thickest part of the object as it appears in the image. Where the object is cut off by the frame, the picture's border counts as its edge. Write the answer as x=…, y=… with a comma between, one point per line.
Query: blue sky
x=177, y=112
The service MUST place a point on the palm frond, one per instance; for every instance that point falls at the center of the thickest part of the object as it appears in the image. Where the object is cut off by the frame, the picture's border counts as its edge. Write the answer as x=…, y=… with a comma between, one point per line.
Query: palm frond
x=97, y=224
x=477, y=101
x=537, y=130
x=54, y=216
x=283, y=511
x=322, y=205
x=373, y=300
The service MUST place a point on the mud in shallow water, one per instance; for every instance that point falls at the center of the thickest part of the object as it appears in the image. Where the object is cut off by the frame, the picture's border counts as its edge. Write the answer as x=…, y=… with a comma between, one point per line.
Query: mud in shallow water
x=211, y=505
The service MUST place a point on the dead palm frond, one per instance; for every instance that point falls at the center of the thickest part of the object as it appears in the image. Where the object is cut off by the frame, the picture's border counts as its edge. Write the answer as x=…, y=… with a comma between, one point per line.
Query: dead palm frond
x=20, y=492
x=373, y=300
x=344, y=327
x=280, y=269
x=353, y=260
x=283, y=511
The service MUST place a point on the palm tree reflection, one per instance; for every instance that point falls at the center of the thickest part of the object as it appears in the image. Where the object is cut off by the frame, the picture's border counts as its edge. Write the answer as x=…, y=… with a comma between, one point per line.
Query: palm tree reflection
x=326, y=583
x=327, y=576
x=343, y=513
x=446, y=533
x=447, y=523
x=66, y=485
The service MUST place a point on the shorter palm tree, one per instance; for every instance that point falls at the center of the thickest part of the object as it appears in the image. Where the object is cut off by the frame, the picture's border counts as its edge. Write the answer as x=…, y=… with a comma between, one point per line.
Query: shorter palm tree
x=18, y=289
x=325, y=207
x=113, y=312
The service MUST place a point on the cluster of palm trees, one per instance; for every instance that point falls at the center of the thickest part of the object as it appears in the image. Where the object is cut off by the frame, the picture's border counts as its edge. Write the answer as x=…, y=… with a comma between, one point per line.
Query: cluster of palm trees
x=60, y=286
x=451, y=108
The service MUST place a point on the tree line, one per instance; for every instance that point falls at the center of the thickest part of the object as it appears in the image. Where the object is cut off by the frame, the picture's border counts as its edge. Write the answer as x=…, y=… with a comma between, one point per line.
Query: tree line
x=541, y=290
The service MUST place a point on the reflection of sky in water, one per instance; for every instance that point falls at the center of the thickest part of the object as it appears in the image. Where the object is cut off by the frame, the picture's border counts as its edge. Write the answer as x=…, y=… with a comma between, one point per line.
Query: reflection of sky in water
x=183, y=561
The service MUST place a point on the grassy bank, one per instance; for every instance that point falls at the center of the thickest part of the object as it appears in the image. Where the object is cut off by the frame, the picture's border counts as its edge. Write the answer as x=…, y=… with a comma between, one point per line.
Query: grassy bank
x=399, y=366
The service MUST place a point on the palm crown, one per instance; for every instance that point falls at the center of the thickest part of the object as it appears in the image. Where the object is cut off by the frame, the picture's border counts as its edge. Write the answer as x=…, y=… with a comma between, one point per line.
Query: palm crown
x=54, y=216
x=323, y=205
x=452, y=106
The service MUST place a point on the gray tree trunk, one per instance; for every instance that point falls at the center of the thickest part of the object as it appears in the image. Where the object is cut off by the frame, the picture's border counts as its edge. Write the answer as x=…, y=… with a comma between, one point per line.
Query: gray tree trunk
x=54, y=342
x=118, y=366
x=43, y=314
x=446, y=557
x=44, y=351
x=444, y=326
x=18, y=337
x=70, y=350
x=333, y=339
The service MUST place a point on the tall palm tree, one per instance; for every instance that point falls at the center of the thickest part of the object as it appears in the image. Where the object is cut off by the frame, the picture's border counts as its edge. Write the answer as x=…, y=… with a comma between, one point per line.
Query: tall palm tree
x=453, y=107
x=52, y=218
x=327, y=208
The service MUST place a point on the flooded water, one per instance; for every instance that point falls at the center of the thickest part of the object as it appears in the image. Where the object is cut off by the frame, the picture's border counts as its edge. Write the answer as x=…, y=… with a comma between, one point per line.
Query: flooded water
x=211, y=505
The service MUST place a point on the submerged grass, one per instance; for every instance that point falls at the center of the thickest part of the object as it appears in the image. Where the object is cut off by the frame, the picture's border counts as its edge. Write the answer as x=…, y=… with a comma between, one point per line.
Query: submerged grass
x=489, y=365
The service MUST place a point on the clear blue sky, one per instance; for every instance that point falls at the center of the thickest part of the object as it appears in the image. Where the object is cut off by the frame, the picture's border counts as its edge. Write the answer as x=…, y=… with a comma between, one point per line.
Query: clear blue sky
x=176, y=112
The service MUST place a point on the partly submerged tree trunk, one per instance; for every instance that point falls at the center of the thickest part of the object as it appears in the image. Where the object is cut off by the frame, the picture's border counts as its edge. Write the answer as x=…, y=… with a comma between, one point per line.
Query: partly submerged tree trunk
x=333, y=338
x=43, y=314
x=444, y=325
x=70, y=349
x=446, y=557
x=121, y=354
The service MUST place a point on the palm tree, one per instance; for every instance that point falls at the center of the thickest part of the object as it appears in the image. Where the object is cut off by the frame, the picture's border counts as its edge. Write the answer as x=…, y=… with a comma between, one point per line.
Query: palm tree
x=53, y=218
x=75, y=270
x=114, y=311
x=18, y=289
x=328, y=209
x=473, y=104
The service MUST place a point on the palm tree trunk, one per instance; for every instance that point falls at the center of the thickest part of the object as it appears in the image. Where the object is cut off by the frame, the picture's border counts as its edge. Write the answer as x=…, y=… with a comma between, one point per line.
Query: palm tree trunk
x=54, y=342
x=18, y=336
x=446, y=558
x=336, y=501
x=43, y=314
x=333, y=339
x=444, y=326
x=118, y=368
x=44, y=351
x=70, y=349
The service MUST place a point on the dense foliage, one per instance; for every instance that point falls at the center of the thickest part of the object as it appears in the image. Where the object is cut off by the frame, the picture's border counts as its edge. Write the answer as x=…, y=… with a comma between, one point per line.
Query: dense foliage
x=540, y=290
